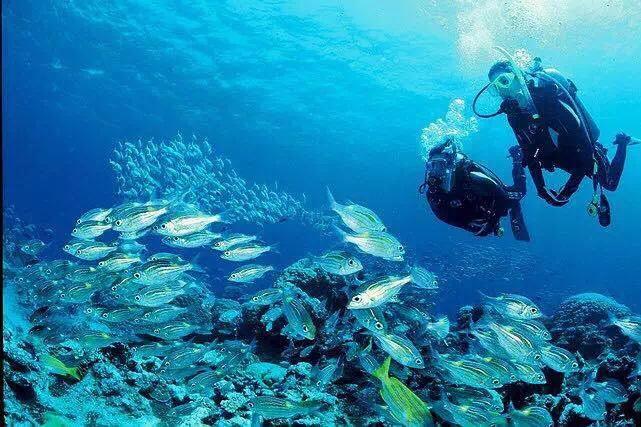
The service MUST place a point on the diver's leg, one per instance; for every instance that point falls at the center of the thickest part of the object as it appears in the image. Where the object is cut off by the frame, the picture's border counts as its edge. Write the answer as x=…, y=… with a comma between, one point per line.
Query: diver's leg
x=519, y=230
x=615, y=167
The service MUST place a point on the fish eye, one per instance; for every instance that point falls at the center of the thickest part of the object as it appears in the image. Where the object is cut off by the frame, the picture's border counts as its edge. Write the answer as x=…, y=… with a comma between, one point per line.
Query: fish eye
x=137, y=298
x=62, y=295
x=118, y=223
x=351, y=262
x=534, y=310
x=78, y=222
x=48, y=271
x=20, y=279
x=79, y=251
x=250, y=404
x=163, y=226
x=418, y=361
x=75, y=230
x=89, y=310
x=233, y=276
x=357, y=298
x=101, y=263
x=318, y=383
x=496, y=381
x=575, y=365
x=105, y=315
x=146, y=316
x=400, y=247
x=137, y=275
x=537, y=356
x=156, y=331
x=217, y=243
x=227, y=253
x=113, y=288
x=176, y=238
x=255, y=299
x=108, y=219
x=378, y=325
x=305, y=328
x=540, y=376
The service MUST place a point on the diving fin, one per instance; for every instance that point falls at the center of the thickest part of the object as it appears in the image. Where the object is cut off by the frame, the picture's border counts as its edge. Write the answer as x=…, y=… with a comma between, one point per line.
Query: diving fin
x=605, y=217
x=519, y=230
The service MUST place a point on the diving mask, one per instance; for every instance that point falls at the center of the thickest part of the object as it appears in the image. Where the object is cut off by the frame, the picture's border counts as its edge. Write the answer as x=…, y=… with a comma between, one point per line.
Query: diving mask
x=504, y=81
x=439, y=172
x=503, y=85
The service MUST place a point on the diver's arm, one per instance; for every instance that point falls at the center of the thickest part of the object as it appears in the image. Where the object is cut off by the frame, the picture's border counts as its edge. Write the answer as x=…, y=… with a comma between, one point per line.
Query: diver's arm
x=517, y=190
x=570, y=186
x=539, y=182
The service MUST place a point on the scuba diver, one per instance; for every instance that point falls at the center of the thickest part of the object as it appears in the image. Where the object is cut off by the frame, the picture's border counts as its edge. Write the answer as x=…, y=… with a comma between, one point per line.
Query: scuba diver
x=467, y=195
x=555, y=130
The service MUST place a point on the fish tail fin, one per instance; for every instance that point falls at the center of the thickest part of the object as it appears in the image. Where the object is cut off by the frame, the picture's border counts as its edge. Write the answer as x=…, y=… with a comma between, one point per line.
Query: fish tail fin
x=225, y=217
x=195, y=265
x=332, y=201
x=341, y=233
x=484, y=296
x=483, y=322
x=382, y=372
x=275, y=247
x=75, y=373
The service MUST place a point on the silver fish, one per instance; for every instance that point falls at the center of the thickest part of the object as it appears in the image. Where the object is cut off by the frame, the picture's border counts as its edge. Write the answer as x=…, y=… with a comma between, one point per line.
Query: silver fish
x=400, y=349
x=299, y=318
x=378, y=291
x=358, y=218
x=376, y=243
x=231, y=240
x=245, y=252
x=90, y=229
x=339, y=262
x=248, y=273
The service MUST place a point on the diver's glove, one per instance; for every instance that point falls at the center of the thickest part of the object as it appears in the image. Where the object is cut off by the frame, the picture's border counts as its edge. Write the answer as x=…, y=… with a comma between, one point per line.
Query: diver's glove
x=622, y=138
x=516, y=154
x=551, y=197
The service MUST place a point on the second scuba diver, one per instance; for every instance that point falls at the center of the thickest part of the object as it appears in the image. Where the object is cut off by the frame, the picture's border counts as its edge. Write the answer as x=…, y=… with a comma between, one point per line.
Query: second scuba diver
x=467, y=195
x=555, y=130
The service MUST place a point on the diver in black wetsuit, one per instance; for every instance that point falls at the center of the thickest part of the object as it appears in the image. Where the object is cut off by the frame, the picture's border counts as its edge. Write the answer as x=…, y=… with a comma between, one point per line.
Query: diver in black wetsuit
x=555, y=130
x=467, y=195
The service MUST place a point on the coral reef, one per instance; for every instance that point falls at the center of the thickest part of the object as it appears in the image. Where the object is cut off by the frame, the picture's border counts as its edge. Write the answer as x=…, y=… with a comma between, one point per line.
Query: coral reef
x=296, y=346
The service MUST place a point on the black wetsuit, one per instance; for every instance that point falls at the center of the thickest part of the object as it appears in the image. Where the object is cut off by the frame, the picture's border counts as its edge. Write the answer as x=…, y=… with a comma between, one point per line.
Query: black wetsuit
x=564, y=136
x=476, y=199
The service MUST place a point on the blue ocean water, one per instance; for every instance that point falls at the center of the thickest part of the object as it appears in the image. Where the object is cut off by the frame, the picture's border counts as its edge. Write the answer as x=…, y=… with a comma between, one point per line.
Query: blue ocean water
x=315, y=94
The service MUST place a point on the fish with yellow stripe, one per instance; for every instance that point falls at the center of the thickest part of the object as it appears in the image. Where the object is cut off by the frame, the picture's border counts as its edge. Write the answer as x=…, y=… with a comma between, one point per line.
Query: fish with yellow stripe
x=404, y=405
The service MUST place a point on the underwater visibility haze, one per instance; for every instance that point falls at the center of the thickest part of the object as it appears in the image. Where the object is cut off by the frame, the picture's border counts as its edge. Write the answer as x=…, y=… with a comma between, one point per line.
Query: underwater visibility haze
x=243, y=213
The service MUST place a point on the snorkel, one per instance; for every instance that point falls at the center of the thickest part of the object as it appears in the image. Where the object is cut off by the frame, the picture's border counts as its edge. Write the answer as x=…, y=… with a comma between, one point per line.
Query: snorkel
x=519, y=92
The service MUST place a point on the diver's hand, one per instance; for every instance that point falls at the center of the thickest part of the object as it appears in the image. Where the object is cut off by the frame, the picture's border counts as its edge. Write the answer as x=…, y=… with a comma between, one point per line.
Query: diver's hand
x=480, y=227
x=516, y=153
x=551, y=197
x=622, y=138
